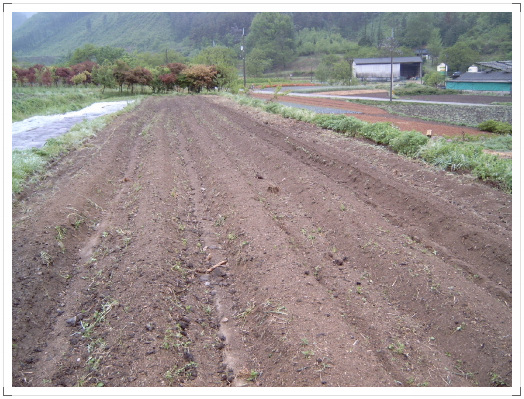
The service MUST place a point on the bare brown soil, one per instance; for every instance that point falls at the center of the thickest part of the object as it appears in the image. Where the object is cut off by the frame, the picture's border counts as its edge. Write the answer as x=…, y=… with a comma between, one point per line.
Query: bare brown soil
x=374, y=114
x=334, y=262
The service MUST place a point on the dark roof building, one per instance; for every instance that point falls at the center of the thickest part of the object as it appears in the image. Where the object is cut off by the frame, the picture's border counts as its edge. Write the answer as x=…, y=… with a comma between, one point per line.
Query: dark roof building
x=504, y=66
x=496, y=78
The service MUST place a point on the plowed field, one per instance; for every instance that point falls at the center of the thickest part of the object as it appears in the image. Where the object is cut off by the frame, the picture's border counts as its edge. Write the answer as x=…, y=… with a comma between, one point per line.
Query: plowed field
x=195, y=242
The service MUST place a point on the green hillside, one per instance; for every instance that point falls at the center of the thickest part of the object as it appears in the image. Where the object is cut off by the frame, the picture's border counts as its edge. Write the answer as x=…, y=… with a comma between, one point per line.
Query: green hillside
x=53, y=37
x=59, y=34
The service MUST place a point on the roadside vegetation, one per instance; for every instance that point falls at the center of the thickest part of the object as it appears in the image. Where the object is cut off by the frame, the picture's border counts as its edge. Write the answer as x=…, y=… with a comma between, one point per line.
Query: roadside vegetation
x=466, y=154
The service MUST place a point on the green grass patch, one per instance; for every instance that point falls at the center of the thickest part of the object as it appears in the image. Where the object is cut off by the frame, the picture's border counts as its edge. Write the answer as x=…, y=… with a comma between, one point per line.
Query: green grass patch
x=347, y=125
x=455, y=155
x=408, y=143
x=495, y=127
x=380, y=132
x=498, y=143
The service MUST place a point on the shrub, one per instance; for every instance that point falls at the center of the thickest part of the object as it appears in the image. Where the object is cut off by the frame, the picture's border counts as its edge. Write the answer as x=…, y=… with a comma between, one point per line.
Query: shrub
x=349, y=125
x=495, y=127
x=298, y=114
x=434, y=79
x=491, y=167
x=272, y=107
x=450, y=155
x=408, y=142
x=380, y=132
x=327, y=121
x=413, y=89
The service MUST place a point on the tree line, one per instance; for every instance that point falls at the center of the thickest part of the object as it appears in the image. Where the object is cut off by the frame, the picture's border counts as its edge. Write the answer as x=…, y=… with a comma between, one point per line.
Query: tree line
x=169, y=77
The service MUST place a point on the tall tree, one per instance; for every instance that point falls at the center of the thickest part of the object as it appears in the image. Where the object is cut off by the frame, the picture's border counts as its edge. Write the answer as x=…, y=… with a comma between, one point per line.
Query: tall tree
x=460, y=56
x=418, y=29
x=103, y=75
x=218, y=55
x=87, y=52
x=435, y=44
x=257, y=62
x=274, y=34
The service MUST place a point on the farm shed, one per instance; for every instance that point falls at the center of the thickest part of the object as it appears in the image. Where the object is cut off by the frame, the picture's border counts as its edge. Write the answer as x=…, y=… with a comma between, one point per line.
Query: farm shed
x=493, y=76
x=380, y=68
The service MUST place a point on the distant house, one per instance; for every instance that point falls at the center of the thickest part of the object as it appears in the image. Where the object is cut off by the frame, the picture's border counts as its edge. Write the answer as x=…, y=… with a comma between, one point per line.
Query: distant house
x=424, y=53
x=379, y=69
x=492, y=76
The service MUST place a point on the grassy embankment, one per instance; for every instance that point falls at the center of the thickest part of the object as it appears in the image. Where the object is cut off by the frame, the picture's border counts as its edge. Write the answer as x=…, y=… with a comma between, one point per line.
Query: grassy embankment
x=454, y=154
x=31, y=101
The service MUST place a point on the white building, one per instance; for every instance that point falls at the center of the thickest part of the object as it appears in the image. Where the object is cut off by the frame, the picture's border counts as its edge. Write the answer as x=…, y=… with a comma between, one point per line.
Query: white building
x=380, y=68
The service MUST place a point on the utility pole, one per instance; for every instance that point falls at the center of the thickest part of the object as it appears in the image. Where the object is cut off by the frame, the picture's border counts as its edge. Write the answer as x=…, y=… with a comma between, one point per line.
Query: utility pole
x=243, y=49
x=389, y=44
x=391, y=54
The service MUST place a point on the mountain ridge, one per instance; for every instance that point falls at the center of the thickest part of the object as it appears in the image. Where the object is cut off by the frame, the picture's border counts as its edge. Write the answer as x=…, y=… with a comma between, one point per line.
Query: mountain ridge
x=55, y=35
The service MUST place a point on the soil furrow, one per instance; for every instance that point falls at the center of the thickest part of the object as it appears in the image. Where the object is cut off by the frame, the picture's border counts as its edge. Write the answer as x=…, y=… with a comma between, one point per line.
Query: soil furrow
x=421, y=215
x=334, y=262
x=242, y=165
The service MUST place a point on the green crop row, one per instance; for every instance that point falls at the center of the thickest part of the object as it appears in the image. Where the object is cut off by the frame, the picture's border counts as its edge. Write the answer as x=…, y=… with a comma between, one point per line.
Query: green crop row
x=448, y=154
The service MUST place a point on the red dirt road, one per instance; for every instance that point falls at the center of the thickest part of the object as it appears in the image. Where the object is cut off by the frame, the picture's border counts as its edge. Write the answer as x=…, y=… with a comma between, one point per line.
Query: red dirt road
x=345, y=264
x=373, y=114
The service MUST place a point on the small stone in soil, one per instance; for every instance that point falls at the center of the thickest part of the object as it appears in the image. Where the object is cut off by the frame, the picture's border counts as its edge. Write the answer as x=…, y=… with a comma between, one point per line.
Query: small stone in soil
x=188, y=356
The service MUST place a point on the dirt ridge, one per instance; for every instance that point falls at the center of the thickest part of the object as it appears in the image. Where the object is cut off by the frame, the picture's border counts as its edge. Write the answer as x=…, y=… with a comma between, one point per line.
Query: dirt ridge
x=345, y=264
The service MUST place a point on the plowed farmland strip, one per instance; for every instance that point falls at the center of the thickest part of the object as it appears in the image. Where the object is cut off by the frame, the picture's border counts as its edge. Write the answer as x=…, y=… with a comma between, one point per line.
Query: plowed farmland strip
x=334, y=262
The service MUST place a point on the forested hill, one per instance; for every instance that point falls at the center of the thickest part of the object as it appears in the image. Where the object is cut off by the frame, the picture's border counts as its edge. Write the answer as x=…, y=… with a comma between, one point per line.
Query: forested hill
x=57, y=35
x=60, y=34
